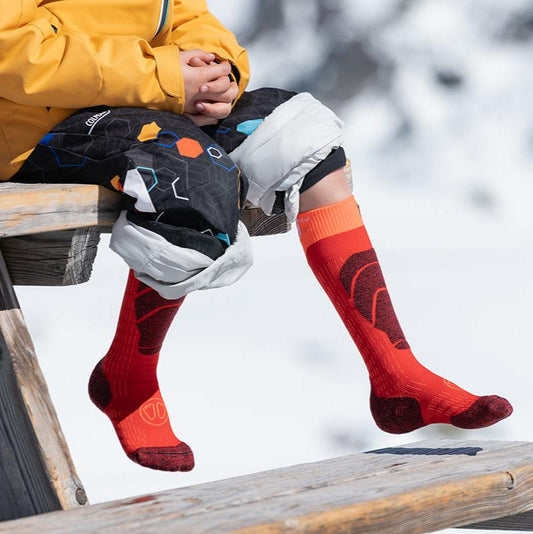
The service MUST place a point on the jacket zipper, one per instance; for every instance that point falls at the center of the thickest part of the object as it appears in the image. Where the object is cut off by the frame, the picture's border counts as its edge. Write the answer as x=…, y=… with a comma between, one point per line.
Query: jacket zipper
x=162, y=18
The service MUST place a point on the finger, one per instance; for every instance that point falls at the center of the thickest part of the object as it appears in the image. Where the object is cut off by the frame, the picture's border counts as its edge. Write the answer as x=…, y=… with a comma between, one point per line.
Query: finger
x=217, y=110
x=216, y=70
x=230, y=95
x=196, y=62
x=202, y=120
x=204, y=56
x=225, y=98
x=218, y=87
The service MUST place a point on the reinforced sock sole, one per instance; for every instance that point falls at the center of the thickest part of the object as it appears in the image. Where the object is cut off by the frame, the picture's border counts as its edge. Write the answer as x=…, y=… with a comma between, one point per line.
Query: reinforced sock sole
x=178, y=458
x=484, y=412
x=399, y=415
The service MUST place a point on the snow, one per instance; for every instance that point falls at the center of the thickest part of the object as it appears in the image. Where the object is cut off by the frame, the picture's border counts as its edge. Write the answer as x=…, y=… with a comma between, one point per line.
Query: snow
x=262, y=374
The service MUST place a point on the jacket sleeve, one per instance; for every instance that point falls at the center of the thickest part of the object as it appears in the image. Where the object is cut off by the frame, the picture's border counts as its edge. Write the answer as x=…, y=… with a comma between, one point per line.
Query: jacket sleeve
x=195, y=27
x=44, y=64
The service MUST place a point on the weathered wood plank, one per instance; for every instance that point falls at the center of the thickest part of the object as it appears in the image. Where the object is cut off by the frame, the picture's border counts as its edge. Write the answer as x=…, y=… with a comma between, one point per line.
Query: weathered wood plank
x=51, y=259
x=418, y=488
x=37, y=208
x=260, y=224
x=36, y=472
x=31, y=209
x=519, y=522
x=25, y=487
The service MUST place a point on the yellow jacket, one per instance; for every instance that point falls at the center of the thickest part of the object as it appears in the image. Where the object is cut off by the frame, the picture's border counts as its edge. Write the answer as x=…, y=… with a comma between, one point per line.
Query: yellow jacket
x=57, y=56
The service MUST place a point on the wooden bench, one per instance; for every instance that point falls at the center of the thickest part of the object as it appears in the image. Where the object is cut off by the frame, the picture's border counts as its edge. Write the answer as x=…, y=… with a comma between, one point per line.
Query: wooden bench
x=49, y=233
x=49, y=236
x=40, y=243
x=419, y=487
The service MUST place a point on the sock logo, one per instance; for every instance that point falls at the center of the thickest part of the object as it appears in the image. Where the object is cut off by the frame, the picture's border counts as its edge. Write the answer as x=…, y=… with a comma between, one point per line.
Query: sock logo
x=153, y=412
x=363, y=280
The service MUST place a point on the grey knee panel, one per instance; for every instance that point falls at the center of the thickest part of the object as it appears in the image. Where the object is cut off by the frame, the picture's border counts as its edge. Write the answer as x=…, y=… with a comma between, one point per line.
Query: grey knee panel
x=289, y=143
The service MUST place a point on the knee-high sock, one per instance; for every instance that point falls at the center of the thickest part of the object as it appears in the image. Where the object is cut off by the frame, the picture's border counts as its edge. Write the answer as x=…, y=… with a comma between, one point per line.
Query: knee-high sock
x=124, y=383
x=404, y=394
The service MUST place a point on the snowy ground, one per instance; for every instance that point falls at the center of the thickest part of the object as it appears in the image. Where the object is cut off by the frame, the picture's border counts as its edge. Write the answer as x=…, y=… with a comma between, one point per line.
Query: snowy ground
x=262, y=374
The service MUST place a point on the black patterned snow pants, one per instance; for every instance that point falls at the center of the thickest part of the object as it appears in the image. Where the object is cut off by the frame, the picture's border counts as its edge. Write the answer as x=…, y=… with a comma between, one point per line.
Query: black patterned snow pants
x=177, y=179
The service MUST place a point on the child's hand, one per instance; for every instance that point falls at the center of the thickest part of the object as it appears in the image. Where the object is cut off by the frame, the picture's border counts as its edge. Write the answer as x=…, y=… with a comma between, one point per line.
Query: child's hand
x=217, y=96
x=208, y=74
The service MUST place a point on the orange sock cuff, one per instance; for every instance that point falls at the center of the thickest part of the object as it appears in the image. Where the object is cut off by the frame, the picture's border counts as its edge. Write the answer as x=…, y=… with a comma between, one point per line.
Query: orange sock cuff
x=326, y=221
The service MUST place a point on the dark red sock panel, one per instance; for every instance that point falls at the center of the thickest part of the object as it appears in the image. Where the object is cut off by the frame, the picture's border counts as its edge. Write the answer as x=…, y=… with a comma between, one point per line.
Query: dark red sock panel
x=404, y=394
x=124, y=383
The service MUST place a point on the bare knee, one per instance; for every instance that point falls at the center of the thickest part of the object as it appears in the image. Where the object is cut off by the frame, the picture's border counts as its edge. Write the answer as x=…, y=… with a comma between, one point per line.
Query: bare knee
x=329, y=190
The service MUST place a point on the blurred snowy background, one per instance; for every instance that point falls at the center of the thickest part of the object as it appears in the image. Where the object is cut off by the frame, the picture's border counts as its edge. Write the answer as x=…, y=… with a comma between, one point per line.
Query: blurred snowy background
x=437, y=99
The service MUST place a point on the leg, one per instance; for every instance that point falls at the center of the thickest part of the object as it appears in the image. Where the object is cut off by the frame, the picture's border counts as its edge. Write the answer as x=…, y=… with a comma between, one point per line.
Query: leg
x=404, y=394
x=124, y=383
x=329, y=190
x=157, y=160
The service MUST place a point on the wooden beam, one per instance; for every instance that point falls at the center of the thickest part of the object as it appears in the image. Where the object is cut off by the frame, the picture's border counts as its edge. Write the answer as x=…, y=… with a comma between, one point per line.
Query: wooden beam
x=51, y=259
x=259, y=224
x=519, y=522
x=36, y=208
x=417, y=488
x=39, y=208
x=31, y=209
x=36, y=471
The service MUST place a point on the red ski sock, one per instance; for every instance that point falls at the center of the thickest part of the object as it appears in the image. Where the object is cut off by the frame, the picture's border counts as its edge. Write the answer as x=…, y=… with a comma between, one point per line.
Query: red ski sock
x=404, y=394
x=124, y=383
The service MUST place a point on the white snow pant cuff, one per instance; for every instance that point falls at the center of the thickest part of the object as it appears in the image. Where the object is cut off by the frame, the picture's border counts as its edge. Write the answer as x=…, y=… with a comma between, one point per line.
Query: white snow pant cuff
x=176, y=271
x=289, y=143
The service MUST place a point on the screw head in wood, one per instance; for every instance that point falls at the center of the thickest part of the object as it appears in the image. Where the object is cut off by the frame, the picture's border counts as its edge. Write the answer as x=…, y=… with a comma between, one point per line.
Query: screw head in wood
x=81, y=496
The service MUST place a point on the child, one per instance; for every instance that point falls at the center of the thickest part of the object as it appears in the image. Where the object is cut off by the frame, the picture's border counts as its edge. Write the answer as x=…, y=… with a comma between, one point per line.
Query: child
x=147, y=98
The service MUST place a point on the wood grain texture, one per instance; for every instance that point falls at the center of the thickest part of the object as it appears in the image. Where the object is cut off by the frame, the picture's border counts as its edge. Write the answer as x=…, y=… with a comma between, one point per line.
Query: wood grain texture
x=30, y=209
x=260, y=224
x=39, y=474
x=50, y=442
x=519, y=522
x=419, y=488
x=51, y=259
x=24, y=485
x=37, y=208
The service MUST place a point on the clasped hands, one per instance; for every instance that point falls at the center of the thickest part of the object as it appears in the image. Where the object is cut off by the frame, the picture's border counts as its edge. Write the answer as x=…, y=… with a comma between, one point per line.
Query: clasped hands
x=209, y=91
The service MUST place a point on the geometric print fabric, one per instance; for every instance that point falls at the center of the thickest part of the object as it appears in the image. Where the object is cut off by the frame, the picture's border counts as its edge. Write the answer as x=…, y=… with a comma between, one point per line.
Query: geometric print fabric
x=170, y=171
x=176, y=174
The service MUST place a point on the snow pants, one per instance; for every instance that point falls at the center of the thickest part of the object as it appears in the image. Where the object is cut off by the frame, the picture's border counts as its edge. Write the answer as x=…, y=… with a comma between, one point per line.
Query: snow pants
x=182, y=192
